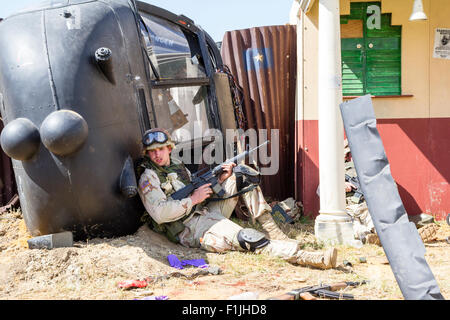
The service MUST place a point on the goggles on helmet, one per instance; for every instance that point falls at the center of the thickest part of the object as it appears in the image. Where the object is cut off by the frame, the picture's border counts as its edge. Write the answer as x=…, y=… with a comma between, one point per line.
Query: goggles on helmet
x=155, y=136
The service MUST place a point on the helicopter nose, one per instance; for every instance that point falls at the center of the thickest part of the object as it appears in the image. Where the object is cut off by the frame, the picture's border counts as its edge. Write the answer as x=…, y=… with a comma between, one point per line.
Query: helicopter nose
x=20, y=139
x=63, y=132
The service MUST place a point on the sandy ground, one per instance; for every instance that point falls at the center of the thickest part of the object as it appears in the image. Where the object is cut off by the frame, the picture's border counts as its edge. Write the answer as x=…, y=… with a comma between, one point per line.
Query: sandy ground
x=92, y=270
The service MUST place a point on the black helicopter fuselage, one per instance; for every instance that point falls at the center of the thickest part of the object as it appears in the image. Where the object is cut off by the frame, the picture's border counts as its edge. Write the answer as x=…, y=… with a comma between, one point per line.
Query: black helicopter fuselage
x=75, y=97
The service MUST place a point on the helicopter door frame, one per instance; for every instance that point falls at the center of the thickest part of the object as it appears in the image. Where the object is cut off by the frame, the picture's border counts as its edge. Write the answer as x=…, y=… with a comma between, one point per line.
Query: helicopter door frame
x=208, y=51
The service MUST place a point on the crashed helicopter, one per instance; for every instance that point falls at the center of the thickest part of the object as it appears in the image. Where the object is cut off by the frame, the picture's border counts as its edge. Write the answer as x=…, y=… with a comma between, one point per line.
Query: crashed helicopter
x=80, y=82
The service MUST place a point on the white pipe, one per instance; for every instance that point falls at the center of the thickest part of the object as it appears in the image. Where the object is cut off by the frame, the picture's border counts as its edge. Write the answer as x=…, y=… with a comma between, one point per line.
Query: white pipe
x=331, y=131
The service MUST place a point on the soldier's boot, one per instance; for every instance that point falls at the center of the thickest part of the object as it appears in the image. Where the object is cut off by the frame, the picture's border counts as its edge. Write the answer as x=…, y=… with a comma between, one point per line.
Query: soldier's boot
x=372, y=238
x=321, y=260
x=270, y=227
x=428, y=233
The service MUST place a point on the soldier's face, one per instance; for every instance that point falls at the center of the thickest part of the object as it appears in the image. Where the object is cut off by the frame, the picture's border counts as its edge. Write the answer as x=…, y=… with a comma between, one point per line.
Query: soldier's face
x=160, y=156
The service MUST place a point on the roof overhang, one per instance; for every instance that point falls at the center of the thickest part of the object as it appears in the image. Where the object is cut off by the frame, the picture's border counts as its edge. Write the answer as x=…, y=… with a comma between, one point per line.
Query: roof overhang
x=306, y=5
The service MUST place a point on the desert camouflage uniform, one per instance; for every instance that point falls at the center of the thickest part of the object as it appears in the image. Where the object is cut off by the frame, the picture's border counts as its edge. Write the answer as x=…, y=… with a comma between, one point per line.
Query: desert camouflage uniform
x=357, y=209
x=363, y=227
x=207, y=226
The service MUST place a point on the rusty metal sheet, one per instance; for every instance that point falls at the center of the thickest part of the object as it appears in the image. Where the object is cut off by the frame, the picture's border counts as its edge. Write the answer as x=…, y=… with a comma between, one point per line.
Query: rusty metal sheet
x=264, y=63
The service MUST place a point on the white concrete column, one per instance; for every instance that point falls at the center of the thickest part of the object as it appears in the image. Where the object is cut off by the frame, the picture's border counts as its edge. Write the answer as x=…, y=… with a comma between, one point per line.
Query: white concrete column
x=296, y=17
x=332, y=224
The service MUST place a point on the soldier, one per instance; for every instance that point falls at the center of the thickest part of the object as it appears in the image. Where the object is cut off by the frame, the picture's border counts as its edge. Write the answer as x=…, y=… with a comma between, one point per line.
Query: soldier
x=356, y=206
x=363, y=226
x=194, y=223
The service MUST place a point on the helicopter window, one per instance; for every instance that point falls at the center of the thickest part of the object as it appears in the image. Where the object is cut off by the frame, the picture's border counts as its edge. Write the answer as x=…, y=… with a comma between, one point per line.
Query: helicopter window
x=148, y=46
x=182, y=111
x=172, y=51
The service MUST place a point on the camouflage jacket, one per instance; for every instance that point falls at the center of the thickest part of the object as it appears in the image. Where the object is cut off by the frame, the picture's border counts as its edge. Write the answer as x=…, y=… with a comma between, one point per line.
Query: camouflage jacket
x=351, y=171
x=156, y=184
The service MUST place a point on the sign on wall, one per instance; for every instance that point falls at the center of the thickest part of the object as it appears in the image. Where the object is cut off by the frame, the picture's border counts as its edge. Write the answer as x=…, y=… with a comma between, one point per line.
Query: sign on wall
x=442, y=43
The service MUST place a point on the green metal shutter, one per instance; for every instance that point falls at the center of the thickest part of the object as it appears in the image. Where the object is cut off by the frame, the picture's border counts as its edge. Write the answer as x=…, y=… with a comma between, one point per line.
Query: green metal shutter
x=371, y=64
x=353, y=67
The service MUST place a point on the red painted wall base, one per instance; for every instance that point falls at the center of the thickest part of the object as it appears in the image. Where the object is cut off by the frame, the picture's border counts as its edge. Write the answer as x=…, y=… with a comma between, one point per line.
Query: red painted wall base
x=418, y=151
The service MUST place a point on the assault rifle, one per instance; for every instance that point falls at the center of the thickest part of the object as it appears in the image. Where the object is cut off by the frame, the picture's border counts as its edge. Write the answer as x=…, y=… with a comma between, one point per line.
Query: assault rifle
x=322, y=291
x=201, y=177
x=355, y=181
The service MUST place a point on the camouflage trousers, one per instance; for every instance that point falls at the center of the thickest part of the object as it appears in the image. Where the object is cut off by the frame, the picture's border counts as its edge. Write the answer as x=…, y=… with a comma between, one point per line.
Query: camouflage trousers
x=362, y=221
x=213, y=232
x=254, y=201
x=211, y=229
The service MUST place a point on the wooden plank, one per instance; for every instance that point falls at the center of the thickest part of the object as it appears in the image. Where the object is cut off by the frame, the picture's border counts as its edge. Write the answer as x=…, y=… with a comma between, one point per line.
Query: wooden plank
x=352, y=29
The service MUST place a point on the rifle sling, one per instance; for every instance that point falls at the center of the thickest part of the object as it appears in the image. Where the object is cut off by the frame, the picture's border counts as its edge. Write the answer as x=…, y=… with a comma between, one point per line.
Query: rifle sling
x=250, y=188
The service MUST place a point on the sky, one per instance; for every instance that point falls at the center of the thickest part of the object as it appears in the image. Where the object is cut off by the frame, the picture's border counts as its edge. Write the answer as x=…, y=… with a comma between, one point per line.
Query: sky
x=214, y=16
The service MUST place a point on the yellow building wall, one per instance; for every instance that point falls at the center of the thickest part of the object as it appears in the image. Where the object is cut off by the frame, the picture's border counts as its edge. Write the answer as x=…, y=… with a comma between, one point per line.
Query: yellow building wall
x=426, y=78
x=439, y=17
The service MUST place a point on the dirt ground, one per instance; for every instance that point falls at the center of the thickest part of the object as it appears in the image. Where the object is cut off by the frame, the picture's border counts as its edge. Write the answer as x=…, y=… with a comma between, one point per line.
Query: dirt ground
x=91, y=270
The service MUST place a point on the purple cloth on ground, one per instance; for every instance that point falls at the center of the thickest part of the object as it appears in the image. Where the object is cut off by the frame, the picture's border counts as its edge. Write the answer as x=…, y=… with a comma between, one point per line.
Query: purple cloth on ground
x=154, y=298
x=195, y=262
x=174, y=262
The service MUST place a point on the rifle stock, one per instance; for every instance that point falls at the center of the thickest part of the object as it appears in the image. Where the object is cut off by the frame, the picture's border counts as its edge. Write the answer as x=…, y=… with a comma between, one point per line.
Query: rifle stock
x=287, y=296
x=338, y=286
x=307, y=296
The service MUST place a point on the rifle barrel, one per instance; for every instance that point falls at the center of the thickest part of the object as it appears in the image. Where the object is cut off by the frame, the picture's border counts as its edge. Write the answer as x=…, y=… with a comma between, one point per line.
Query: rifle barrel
x=245, y=153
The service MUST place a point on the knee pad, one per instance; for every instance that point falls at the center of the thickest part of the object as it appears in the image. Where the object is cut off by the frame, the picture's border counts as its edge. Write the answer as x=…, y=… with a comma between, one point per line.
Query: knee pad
x=251, y=239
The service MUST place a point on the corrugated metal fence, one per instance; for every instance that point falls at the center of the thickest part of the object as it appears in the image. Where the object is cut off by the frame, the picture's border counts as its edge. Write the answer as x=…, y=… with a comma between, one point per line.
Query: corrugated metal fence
x=263, y=62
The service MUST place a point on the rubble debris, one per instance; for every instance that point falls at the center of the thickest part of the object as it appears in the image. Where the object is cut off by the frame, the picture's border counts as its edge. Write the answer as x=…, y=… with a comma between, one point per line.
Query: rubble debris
x=50, y=241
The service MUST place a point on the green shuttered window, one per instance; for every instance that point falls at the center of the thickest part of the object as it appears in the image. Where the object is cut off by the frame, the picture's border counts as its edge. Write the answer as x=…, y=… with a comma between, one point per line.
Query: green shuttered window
x=371, y=51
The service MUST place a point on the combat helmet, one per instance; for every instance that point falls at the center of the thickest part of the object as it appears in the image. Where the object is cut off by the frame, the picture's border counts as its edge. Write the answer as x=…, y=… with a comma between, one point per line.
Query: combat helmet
x=157, y=138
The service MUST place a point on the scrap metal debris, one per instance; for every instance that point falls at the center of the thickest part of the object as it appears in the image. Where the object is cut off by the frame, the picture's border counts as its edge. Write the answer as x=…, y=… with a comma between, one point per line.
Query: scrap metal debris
x=186, y=274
